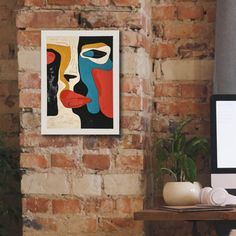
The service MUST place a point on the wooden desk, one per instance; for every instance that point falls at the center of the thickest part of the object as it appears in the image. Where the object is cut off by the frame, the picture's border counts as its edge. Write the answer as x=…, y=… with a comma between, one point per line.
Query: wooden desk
x=224, y=221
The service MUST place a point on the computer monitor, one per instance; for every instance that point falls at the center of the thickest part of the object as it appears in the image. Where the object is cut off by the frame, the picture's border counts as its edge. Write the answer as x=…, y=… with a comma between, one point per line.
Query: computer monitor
x=223, y=141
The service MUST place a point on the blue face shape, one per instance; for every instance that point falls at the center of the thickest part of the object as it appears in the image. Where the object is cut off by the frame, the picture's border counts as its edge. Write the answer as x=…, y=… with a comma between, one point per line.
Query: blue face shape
x=93, y=56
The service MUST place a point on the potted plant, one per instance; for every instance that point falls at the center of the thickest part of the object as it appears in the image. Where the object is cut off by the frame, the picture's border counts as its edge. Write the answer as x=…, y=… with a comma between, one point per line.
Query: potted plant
x=177, y=156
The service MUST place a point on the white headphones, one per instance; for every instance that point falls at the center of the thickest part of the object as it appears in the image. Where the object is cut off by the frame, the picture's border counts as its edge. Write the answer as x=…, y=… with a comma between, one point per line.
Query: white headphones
x=216, y=197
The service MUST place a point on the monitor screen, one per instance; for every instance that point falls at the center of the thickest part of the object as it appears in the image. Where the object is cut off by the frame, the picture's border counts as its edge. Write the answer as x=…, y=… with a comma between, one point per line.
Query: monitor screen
x=223, y=133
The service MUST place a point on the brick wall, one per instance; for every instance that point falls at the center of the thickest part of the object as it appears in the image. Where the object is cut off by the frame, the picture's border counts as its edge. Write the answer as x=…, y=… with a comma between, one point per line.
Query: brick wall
x=183, y=52
x=81, y=185
x=9, y=108
x=77, y=185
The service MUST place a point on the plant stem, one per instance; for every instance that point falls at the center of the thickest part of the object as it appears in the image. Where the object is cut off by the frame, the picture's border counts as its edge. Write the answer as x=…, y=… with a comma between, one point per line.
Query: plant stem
x=172, y=173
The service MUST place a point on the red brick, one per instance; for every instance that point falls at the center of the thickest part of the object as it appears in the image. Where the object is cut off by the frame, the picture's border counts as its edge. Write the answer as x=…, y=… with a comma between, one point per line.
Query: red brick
x=36, y=140
x=190, y=12
x=130, y=85
x=89, y=225
x=29, y=80
x=100, y=205
x=162, y=50
x=96, y=143
x=167, y=90
x=99, y=2
x=187, y=30
x=211, y=14
x=133, y=122
x=48, y=224
x=96, y=162
x=37, y=3
x=131, y=38
x=183, y=108
x=193, y=91
x=66, y=206
x=69, y=2
x=9, y=104
x=62, y=160
x=132, y=141
x=126, y=3
x=131, y=103
x=29, y=38
x=123, y=205
x=165, y=12
x=110, y=19
x=134, y=162
x=46, y=19
x=31, y=160
x=36, y=205
x=30, y=99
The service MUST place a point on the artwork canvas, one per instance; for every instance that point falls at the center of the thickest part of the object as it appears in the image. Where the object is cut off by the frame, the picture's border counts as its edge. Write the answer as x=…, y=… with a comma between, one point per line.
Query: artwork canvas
x=80, y=82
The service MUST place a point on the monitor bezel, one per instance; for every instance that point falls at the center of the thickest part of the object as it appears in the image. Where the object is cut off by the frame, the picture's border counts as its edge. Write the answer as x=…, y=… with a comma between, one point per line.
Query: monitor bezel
x=214, y=99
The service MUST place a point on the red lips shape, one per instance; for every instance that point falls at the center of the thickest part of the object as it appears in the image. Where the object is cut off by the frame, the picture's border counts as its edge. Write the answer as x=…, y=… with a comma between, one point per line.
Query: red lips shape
x=71, y=99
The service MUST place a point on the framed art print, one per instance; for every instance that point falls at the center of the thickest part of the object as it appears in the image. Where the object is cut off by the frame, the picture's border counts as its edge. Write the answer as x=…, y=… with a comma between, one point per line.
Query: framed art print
x=80, y=82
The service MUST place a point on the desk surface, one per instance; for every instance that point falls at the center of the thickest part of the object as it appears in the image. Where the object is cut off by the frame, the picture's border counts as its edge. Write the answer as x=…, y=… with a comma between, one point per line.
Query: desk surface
x=163, y=215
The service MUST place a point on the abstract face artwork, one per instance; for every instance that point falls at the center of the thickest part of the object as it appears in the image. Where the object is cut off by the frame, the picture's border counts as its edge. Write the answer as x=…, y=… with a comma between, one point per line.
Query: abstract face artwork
x=80, y=82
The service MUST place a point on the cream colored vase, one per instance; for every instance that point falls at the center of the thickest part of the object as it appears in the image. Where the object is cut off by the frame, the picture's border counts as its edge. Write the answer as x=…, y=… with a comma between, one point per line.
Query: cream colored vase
x=181, y=193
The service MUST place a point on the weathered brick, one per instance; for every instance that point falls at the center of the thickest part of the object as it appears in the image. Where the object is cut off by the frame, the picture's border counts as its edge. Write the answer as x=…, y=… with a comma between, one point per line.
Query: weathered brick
x=94, y=19
x=211, y=14
x=187, y=30
x=36, y=205
x=126, y=3
x=62, y=160
x=183, y=109
x=122, y=184
x=36, y=140
x=190, y=12
x=131, y=103
x=96, y=162
x=130, y=85
x=29, y=60
x=132, y=141
x=193, y=90
x=163, y=12
x=100, y=205
x=29, y=80
x=131, y=38
x=161, y=50
x=45, y=183
x=132, y=162
x=37, y=3
x=46, y=19
x=28, y=38
x=31, y=160
x=95, y=143
x=133, y=122
x=69, y=2
x=66, y=206
x=30, y=120
x=30, y=99
x=167, y=90
x=47, y=224
x=87, y=185
x=188, y=69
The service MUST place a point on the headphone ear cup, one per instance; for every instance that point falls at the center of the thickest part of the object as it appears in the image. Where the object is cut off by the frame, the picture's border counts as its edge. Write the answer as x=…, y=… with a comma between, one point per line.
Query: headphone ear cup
x=218, y=197
x=204, y=195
